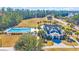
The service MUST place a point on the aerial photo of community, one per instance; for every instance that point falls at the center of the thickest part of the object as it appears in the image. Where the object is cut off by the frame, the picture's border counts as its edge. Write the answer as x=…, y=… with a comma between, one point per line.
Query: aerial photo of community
x=39, y=29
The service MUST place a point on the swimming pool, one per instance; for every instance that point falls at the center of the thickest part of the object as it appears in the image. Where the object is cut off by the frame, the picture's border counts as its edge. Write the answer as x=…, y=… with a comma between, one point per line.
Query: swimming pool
x=18, y=30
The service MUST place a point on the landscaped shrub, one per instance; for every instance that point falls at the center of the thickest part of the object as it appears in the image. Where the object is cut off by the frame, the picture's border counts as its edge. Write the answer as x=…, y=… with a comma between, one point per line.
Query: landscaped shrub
x=77, y=32
x=28, y=43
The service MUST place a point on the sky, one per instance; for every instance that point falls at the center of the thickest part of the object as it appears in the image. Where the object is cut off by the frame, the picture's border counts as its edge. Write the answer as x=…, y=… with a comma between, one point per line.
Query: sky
x=42, y=4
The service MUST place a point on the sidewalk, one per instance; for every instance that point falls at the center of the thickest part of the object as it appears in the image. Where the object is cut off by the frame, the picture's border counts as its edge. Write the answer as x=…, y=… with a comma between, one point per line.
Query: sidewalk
x=61, y=47
x=7, y=49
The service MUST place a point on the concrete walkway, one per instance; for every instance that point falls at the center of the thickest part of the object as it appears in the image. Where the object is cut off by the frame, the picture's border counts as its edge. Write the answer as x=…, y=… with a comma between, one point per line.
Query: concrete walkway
x=7, y=49
x=61, y=45
x=59, y=20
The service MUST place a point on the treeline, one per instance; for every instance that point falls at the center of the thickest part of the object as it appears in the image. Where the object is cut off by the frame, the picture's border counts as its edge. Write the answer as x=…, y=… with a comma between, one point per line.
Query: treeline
x=10, y=17
x=74, y=19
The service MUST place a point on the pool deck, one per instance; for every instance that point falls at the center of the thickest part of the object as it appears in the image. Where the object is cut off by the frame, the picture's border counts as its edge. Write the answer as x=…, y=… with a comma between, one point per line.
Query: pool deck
x=7, y=30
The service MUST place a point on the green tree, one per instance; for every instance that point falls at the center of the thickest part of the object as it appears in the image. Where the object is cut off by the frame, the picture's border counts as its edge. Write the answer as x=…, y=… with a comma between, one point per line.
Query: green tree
x=28, y=43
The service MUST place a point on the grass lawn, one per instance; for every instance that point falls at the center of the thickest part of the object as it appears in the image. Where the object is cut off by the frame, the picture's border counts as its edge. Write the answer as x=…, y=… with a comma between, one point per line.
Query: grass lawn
x=31, y=22
x=9, y=40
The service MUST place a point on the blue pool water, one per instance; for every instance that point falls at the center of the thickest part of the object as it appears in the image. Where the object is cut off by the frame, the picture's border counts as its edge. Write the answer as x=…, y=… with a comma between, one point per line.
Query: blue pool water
x=19, y=30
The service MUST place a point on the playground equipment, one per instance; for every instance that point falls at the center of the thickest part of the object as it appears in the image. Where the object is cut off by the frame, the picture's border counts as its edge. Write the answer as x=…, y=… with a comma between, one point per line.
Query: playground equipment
x=51, y=29
x=56, y=39
x=50, y=43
